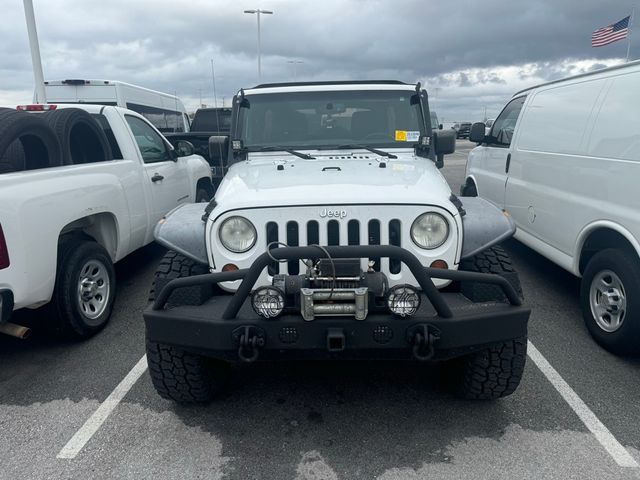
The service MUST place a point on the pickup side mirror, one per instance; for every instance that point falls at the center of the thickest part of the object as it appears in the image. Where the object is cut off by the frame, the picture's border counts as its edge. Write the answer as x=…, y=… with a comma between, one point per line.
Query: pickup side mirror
x=444, y=144
x=218, y=151
x=184, y=148
x=476, y=134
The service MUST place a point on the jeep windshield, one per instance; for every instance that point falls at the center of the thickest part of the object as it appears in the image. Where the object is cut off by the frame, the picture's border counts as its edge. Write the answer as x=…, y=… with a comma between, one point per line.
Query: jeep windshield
x=330, y=119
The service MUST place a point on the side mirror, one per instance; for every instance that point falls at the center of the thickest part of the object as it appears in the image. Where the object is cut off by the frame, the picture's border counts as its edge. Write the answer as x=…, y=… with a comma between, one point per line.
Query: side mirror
x=440, y=127
x=476, y=134
x=444, y=144
x=218, y=150
x=184, y=148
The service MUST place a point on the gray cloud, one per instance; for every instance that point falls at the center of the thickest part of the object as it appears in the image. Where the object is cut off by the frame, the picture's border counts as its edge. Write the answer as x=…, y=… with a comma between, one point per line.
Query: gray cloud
x=459, y=48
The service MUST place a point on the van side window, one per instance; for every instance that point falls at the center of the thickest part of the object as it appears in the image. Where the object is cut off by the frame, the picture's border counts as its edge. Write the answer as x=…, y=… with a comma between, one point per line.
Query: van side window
x=505, y=124
x=152, y=146
x=104, y=124
x=164, y=120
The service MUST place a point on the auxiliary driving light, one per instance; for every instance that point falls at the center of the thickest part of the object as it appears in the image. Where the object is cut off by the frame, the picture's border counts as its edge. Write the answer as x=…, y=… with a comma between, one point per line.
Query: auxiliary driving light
x=268, y=302
x=403, y=300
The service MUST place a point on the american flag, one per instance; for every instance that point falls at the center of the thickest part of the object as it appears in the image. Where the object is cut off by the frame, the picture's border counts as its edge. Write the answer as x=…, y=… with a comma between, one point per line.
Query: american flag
x=611, y=33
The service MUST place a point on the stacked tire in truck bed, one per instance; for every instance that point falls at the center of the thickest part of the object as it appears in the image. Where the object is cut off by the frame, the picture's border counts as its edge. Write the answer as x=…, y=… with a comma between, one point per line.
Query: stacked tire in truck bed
x=30, y=141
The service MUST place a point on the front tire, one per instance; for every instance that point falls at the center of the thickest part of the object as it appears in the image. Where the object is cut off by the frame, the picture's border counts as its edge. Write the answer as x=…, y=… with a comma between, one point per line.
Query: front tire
x=85, y=288
x=609, y=300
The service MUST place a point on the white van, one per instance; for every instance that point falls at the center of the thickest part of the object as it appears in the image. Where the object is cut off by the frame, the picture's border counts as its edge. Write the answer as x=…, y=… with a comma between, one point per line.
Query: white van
x=564, y=159
x=166, y=112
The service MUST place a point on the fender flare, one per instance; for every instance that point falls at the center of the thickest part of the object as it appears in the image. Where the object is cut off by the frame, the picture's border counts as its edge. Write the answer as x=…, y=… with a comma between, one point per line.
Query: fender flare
x=590, y=228
x=183, y=230
x=484, y=225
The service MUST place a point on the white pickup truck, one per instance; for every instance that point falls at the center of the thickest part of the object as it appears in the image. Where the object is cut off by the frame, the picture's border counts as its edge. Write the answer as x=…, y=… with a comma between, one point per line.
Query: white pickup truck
x=107, y=178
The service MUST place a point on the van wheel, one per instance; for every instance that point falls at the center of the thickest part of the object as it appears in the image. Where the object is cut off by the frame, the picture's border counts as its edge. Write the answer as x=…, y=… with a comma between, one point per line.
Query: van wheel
x=85, y=288
x=469, y=189
x=609, y=300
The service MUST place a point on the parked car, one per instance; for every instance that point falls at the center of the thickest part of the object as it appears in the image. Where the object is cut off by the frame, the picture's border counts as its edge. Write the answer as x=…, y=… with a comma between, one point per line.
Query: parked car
x=564, y=159
x=462, y=129
x=333, y=236
x=81, y=187
x=206, y=123
x=165, y=111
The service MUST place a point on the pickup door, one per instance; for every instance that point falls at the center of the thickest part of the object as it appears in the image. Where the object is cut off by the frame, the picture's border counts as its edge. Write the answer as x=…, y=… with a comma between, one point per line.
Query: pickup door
x=170, y=185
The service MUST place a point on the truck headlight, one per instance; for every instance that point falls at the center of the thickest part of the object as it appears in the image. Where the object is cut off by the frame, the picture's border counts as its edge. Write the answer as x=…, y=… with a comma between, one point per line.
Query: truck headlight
x=430, y=230
x=237, y=234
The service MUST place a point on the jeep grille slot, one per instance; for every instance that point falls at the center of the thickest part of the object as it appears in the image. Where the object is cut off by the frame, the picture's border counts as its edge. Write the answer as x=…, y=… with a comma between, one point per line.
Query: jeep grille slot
x=394, y=239
x=353, y=232
x=272, y=236
x=374, y=239
x=313, y=233
x=333, y=233
x=293, y=241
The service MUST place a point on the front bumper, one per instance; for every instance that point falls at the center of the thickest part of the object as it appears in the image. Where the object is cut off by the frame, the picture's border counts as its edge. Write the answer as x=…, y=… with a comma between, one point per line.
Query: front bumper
x=446, y=325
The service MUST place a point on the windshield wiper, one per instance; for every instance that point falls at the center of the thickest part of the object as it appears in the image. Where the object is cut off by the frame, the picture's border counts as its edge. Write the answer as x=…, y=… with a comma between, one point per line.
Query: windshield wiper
x=277, y=148
x=372, y=150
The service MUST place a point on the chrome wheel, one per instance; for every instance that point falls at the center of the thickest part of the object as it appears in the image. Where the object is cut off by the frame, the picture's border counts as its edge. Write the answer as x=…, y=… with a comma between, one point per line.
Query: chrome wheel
x=93, y=289
x=607, y=299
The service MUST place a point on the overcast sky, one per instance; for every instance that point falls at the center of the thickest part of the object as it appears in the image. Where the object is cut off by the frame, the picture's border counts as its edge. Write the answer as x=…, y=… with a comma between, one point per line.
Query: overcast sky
x=470, y=54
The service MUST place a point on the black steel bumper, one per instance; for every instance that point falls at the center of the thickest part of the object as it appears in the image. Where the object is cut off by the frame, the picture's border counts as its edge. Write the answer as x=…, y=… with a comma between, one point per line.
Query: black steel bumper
x=446, y=325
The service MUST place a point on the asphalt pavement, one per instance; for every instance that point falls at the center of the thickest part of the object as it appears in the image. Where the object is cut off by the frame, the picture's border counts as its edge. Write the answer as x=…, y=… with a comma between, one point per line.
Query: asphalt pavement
x=574, y=417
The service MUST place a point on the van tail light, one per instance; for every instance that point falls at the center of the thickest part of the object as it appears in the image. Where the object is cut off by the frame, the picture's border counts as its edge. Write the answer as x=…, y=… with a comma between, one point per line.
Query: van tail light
x=40, y=107
x=4, y=253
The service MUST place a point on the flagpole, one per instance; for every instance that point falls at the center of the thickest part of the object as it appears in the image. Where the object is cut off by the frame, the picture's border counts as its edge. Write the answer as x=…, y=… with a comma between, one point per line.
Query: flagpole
x=633, y=13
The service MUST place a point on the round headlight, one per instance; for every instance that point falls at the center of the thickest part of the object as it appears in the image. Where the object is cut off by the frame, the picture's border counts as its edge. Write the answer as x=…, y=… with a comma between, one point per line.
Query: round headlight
x=429, y=230
x=237, y=234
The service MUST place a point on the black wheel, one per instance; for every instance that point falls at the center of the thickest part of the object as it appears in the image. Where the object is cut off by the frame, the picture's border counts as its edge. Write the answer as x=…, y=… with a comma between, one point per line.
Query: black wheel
x=185, y=377
x=493, y=260
x=85, y=288
x=178, y=375
x=610, y=302
x=26, y=142
x=81, y=138
x=492, y=373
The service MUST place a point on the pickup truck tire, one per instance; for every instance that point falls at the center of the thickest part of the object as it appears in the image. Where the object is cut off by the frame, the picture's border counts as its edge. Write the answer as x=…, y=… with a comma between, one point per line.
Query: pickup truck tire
x=491, y=373
x=185, y=377
x=85, y=288
x=26, y=142
x=610, y=302
x=81, y=138
x=493, y=260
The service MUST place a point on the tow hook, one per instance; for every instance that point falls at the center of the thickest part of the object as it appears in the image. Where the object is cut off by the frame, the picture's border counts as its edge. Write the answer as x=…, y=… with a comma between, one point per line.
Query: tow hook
x=250, y=340
x=423, y=338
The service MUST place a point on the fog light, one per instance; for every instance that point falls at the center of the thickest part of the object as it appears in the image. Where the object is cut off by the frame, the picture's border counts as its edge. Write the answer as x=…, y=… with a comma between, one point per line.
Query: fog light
x=403, y=300
x=268, y=302
x=229, y=267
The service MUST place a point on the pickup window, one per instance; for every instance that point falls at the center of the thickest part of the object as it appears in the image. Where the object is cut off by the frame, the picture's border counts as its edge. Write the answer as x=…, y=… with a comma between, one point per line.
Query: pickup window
x=106, y=128
x=152, y=147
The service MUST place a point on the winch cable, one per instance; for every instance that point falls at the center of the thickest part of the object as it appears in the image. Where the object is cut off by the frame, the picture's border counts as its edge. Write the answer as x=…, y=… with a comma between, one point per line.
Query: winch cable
x=326, y=252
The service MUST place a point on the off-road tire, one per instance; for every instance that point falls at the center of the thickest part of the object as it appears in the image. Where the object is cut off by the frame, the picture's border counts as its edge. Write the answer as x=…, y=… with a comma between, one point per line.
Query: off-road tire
x=493, y=260
x=72, y=256
x=626, y=265
x=491, y=373
x=185, y=377
x=175, y=265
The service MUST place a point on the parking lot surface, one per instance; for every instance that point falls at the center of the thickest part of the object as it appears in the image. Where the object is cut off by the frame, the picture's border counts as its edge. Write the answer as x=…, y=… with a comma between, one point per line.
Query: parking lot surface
x=575, y=414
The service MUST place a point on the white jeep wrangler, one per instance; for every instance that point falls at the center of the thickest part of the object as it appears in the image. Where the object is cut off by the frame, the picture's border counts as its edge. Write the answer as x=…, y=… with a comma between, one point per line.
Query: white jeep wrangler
x=334, y=236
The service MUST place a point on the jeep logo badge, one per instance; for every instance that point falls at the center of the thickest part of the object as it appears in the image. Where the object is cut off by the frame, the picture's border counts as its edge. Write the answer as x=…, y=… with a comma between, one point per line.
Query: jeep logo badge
x=325, y=212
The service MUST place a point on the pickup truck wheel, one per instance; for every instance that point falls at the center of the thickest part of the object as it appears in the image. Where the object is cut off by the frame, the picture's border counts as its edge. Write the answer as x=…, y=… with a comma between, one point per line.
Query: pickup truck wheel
x=491, y=373
x=493, y=260
x=85, y=288
x=185, y=377
x=609, y=300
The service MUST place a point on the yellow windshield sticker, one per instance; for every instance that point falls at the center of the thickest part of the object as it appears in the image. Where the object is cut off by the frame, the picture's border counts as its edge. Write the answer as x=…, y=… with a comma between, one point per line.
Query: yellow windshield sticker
x=401, y=135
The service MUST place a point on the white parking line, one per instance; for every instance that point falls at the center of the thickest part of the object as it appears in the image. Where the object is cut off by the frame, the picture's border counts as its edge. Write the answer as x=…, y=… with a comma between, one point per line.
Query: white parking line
x=95, y=421
x=620, y=454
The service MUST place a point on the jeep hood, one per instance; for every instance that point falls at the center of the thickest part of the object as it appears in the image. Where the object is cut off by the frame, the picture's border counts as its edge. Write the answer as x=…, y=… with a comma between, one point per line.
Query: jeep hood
x=332, y=179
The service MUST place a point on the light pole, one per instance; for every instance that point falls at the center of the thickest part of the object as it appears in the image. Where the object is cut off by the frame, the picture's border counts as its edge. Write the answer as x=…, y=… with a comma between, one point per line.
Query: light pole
x=35, y=52
x=258, y=12
x=294, y=63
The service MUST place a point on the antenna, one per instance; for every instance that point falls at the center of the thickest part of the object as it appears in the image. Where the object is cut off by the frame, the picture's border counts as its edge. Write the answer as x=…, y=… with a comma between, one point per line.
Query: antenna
x=175, y=98
x=215, y=105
